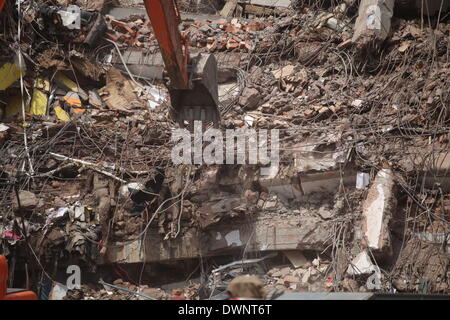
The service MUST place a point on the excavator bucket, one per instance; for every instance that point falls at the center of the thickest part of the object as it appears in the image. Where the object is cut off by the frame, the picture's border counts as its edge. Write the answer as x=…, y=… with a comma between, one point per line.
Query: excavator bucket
x=201, y=101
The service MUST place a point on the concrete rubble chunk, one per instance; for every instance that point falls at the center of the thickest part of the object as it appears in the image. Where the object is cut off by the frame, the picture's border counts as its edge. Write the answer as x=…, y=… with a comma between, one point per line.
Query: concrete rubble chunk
x=326, y=181
x=296, y=258
x=316, y=262
x=28, y=201
x=306, y=276
x=362, y=180
x=291, y=279
x=361, y=264
x=154, y=293
x=374, y=21
x=285, y=271
x=228, y=8
x=276, y=274
x=282, y=272
x=58, y=292
x=250, y=98
x=378, y=208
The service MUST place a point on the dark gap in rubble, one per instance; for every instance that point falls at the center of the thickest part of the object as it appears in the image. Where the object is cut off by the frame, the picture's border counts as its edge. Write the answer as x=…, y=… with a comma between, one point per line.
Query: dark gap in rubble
x=416, y=8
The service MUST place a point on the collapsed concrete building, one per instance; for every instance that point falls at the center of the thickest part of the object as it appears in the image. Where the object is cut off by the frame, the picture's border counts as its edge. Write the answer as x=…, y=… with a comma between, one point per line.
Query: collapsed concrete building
x=360, y=200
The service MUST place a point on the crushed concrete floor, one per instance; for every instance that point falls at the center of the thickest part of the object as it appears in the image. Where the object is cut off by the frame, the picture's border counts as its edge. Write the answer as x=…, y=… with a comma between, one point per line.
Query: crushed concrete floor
x=361, y=198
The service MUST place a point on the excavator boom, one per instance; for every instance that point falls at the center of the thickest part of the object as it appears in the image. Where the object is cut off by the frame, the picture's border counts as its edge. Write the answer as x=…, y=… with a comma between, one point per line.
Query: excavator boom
x=11, y=294
x=193, y=78
x=165, y=19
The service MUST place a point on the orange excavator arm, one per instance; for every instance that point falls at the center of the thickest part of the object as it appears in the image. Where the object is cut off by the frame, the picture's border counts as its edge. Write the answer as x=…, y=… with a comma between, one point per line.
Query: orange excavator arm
x=3, y=275
x=11, y=294
x=193, y=79
x=165, y=19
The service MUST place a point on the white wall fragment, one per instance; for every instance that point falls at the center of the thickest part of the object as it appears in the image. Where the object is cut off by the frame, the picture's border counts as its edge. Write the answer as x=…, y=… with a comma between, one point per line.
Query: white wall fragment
x=58, y=292
x=373, y=17
x=233, y=238
x=71, y=17
x=362, y=180
x=361, y=264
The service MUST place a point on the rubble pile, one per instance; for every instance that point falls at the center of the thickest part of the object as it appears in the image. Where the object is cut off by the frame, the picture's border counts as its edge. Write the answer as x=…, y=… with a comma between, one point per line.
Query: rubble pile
x=310, y=277
x=85, y=144
x=121, y=291
x=221, y=35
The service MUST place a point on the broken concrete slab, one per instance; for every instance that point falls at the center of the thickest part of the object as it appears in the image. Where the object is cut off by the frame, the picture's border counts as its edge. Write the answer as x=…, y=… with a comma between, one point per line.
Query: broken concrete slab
x=212, y=211
x=150, y=66
x=317, y=155
x=27, y=200
x=327, y=182
x=141, y=64
x=378, y=208
x=250, y=98
x=58, y=292
x=362, y=180
x=296, y=258
x=290, y=279
x=374, y=21
x=254, y=7
x=311, y=234
x=361, y=264
x=306, y=276
x=283, y=272
x=285, y=189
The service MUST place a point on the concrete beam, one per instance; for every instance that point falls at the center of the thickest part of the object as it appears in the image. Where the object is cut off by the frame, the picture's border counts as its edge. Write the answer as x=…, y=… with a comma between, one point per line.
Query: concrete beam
x=328, y=181
x=378, y=209
x=311, y=233
x=151, y=66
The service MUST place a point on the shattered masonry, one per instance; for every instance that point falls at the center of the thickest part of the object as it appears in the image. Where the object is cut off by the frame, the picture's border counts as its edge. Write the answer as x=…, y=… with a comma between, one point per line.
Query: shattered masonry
x=363, y=186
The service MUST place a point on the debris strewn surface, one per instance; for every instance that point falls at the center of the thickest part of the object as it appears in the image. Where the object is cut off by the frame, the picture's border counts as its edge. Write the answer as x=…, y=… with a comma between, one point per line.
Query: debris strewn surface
x=361, y=200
